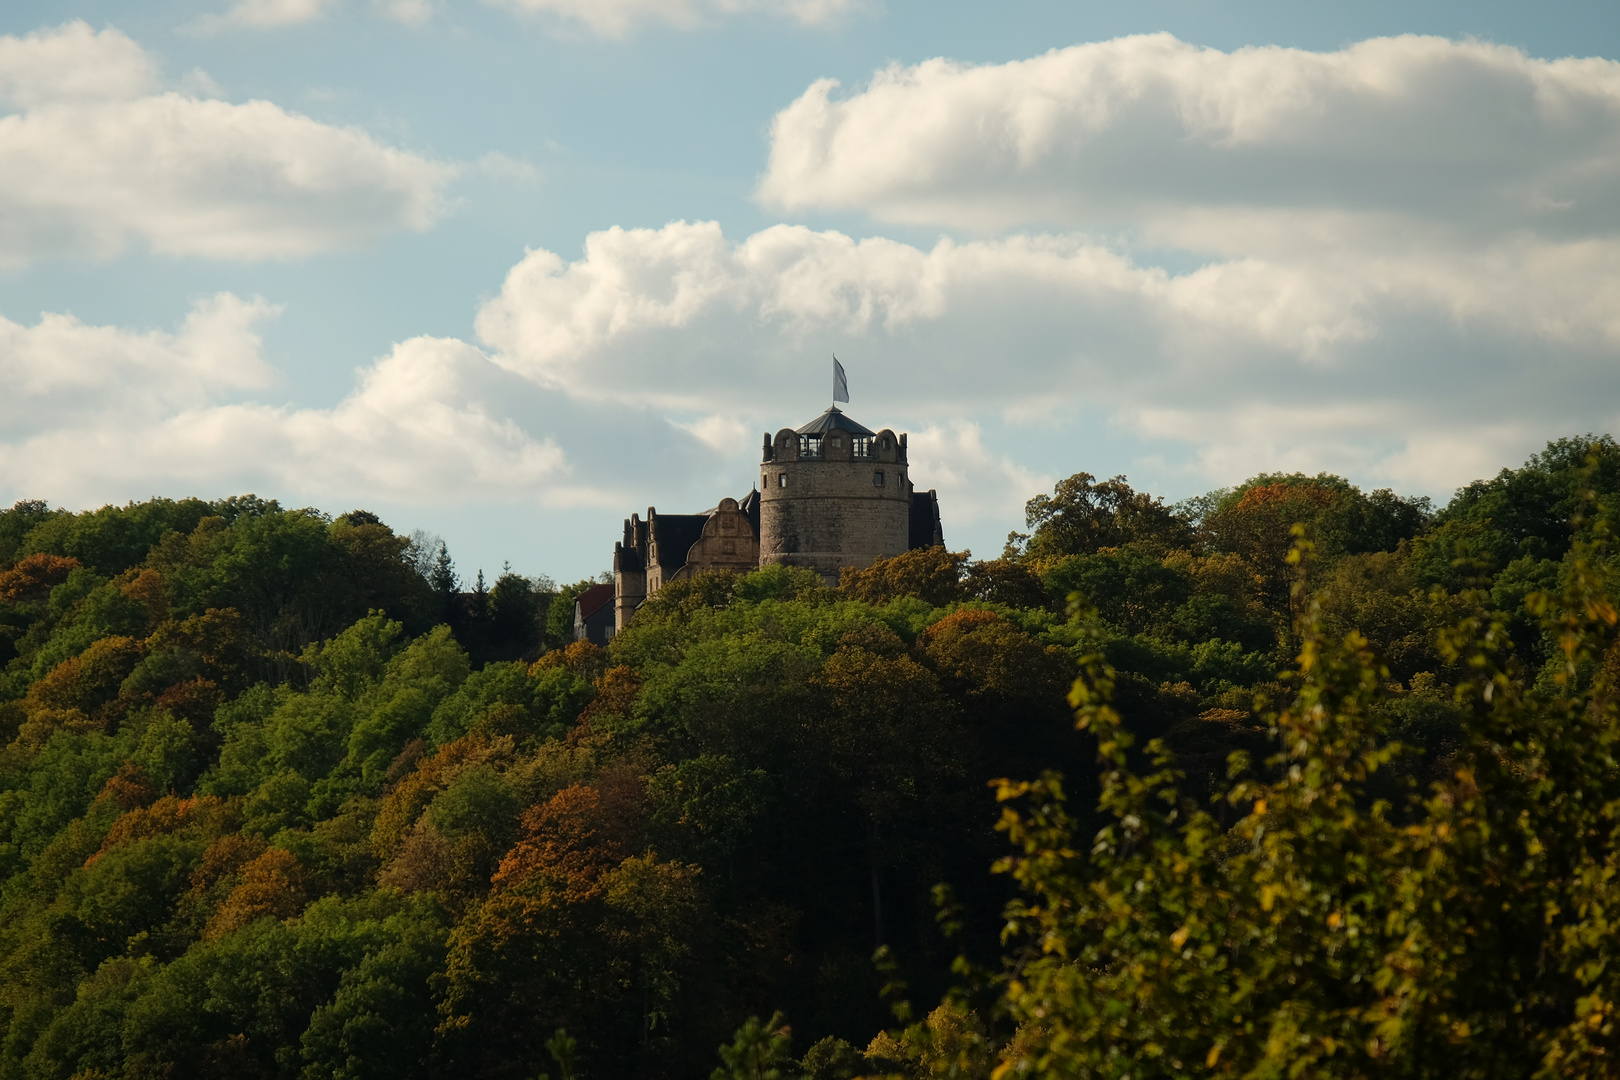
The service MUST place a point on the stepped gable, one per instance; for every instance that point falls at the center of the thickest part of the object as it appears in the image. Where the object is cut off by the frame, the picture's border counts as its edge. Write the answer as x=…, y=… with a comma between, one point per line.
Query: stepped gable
x=628, y=554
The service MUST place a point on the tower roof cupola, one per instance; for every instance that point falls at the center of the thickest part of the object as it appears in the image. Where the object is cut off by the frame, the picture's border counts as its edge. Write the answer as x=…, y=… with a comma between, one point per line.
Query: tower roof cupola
x=830, y=419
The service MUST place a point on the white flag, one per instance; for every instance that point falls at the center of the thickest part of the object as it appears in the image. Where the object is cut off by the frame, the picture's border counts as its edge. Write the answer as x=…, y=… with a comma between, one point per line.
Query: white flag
x=840, y=383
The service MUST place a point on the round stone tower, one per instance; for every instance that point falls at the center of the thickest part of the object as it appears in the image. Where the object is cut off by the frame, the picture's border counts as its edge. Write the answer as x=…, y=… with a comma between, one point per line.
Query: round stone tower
x=833, y=494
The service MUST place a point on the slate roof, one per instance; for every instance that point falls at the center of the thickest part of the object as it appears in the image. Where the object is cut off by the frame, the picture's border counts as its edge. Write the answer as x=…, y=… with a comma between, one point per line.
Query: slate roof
x=675, y=534
x=924, y=519
x=830, y=419
x=750, y=506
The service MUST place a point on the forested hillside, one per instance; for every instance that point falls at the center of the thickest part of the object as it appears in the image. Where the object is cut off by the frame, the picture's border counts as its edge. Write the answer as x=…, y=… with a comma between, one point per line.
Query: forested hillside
x=279, y=799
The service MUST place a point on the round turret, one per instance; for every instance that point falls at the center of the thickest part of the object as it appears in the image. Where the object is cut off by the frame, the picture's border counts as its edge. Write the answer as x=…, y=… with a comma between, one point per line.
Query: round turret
x=833, y=494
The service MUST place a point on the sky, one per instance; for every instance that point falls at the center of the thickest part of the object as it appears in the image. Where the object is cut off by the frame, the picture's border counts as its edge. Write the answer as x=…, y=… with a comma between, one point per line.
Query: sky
x=507, y=271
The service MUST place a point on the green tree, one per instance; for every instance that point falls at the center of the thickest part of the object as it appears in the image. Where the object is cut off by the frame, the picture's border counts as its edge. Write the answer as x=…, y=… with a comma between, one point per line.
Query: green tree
x=560, y=614
x=1083, y=515
x=758, y=1053
x=1464, y=933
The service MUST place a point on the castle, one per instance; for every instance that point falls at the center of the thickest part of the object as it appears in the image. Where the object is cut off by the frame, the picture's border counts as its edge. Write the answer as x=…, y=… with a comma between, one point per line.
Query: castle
x=831, y=494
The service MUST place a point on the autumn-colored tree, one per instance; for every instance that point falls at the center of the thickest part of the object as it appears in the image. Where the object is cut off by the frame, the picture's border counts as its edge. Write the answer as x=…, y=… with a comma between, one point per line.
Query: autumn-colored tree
x=1084, y=515
x=1255, y=519
x=583, y=658
x=576, y=836
x=933, y=575
x=31, y=579
x=270, y=886
x=77, y=693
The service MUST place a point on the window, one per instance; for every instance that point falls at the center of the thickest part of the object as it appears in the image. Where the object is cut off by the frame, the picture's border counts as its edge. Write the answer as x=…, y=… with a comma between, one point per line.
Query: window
x=885, y=443
x=781, y=480
x=837, y=443
x=877, y=479
x=863, y=446
x=728, y=547
x=809, y=446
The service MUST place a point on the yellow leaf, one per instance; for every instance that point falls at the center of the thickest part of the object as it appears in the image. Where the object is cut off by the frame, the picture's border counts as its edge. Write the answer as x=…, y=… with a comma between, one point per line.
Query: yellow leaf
x=1001, y=1070
x=1259, y=807
x=1179, y=938
x=1267, y=895
x=1209, y=1060
x=1334, y=920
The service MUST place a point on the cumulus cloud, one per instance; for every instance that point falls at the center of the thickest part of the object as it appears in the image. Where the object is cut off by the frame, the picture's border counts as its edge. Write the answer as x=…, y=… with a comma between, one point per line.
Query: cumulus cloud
x=60, y=366
x=726, y=435
x=98, y=412
x=974, y=483
x=1219, y=151
x=1409, y=248
x=95, y=156
x=615, y=18
x=1336, y=362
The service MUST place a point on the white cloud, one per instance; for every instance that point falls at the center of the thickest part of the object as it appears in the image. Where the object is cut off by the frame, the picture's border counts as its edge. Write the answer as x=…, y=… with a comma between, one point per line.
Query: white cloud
x=1341, y=361
x=60, y=366
x=98, y=412
x=96, y=158
x=1258, y=148
x=615, y=18
x=73, y=63
x=974, y=483
x=725, y=435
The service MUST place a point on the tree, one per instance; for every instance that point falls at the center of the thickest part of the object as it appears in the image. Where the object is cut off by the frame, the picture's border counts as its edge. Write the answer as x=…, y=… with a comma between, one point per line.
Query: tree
x=1462, y=934
x=18, y=521
x=514, y=609
x=890, y=733
x=933, y=575
x=758, y=1052
x=1523, y=513
x=1082, y=516
x=1254, y=521
x=443, y=575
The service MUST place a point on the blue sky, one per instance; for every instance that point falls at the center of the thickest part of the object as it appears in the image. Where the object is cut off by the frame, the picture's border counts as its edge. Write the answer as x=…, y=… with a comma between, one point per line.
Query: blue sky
x=1404, y=270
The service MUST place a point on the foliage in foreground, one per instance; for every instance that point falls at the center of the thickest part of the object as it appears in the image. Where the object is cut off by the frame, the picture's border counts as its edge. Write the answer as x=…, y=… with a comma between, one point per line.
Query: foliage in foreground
x=1339, y=928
